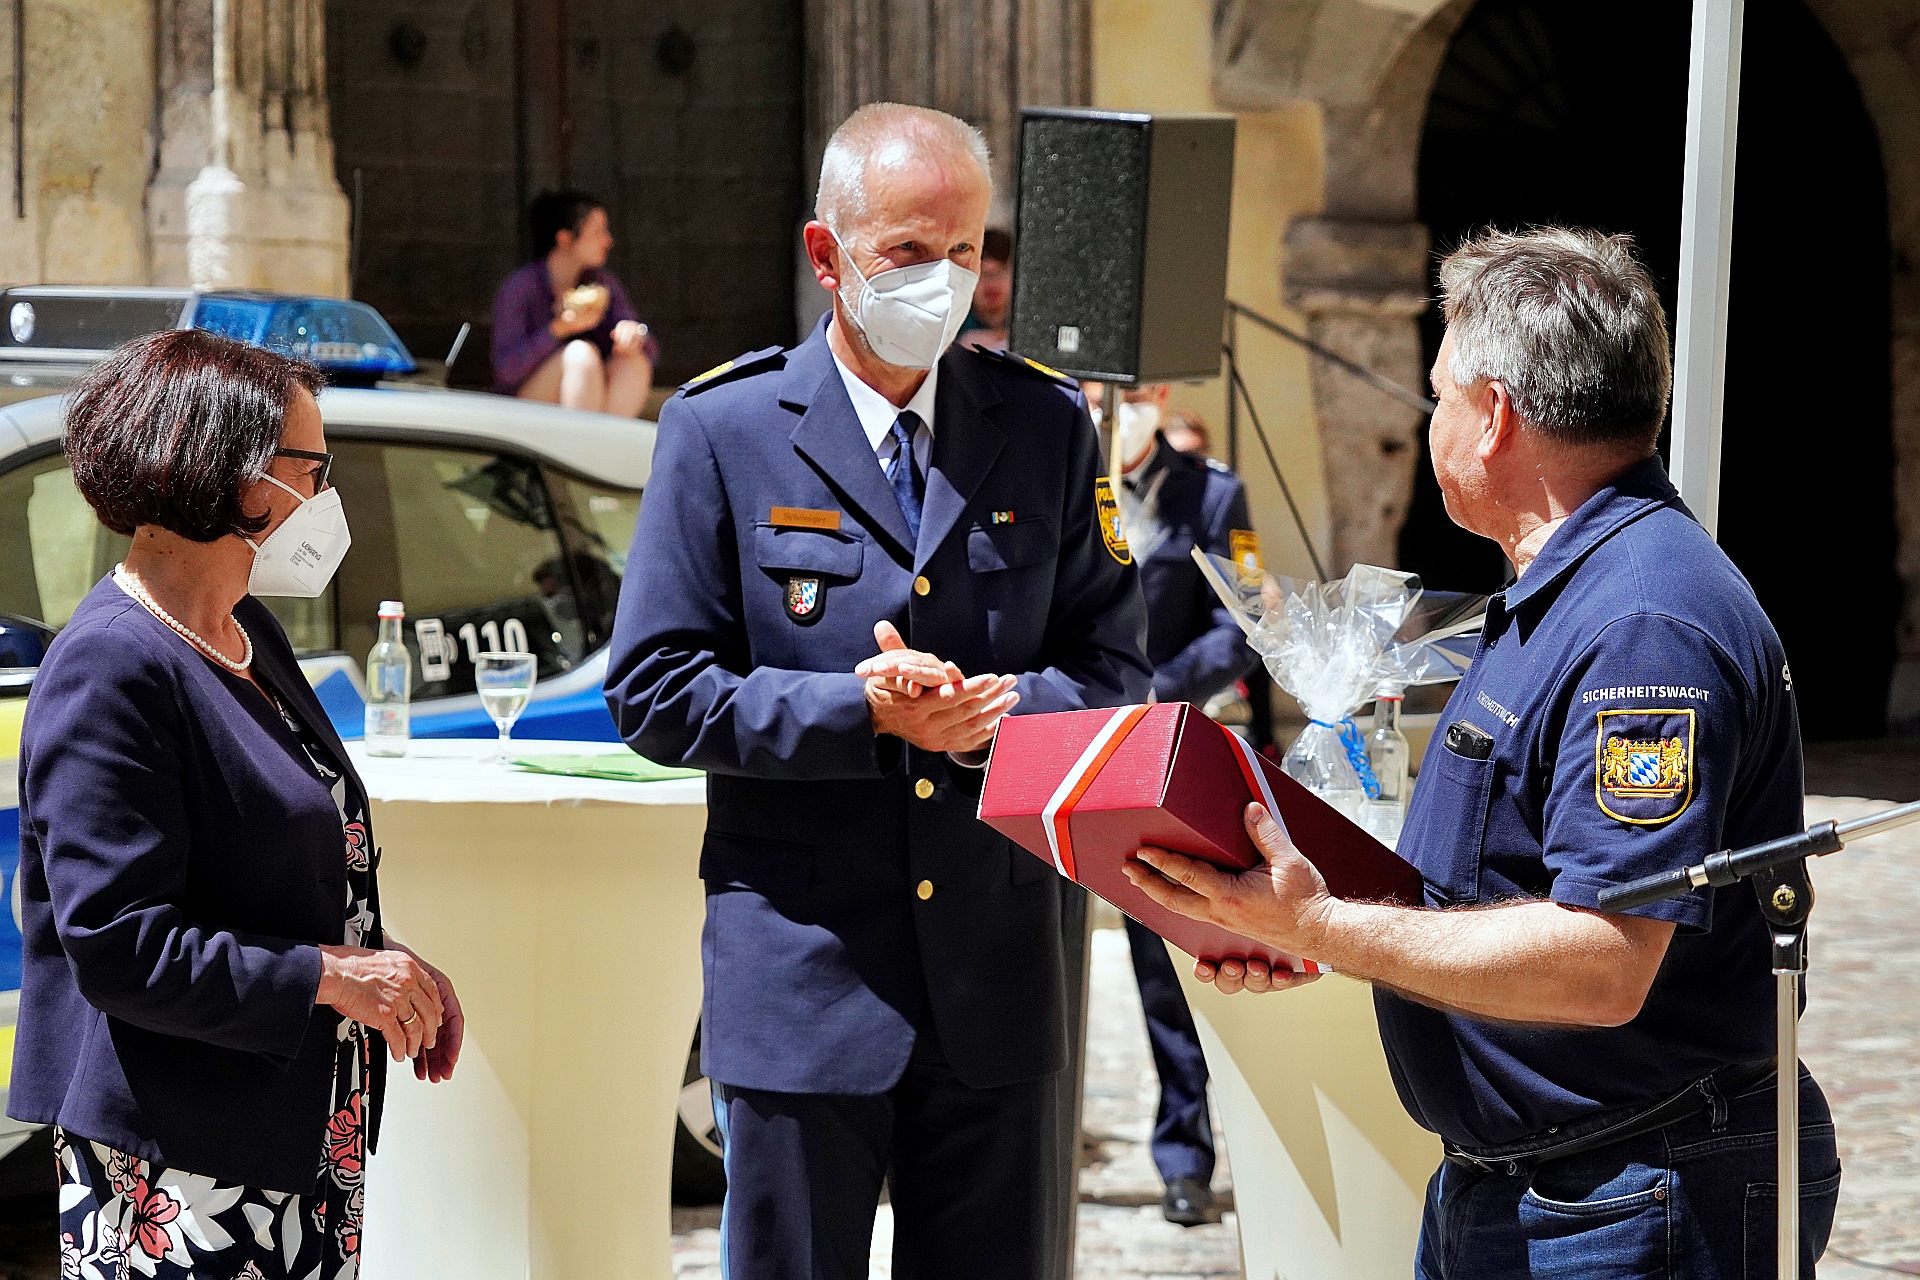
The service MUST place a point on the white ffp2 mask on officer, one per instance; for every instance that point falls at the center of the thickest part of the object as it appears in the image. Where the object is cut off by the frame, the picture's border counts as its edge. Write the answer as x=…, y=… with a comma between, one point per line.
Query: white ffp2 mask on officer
x=300, y=558
x=911, y=315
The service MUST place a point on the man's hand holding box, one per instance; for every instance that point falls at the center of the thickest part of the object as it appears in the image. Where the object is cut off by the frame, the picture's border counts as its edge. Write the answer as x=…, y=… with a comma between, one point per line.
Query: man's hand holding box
x=1086, y=790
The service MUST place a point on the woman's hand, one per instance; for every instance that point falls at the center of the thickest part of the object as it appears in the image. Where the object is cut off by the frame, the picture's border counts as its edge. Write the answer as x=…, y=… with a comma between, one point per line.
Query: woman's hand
x=390, y=991
x=436, y=1062
x=629, y=338
x=579, y=310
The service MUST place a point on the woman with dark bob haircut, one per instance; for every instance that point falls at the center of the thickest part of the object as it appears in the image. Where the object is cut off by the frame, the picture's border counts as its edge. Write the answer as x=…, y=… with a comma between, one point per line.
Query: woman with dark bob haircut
x=207, y=989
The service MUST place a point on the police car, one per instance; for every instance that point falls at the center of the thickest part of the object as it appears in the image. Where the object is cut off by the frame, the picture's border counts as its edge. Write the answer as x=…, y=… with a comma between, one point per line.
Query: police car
x=500, y=523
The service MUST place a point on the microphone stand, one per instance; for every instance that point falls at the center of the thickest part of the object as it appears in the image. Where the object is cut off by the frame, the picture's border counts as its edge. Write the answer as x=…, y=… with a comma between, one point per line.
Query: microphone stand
x=1778, y=870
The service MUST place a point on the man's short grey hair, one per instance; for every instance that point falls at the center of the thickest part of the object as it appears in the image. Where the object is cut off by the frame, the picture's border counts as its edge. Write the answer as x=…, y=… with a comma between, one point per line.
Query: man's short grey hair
x=1570, y=323
x=881, y=132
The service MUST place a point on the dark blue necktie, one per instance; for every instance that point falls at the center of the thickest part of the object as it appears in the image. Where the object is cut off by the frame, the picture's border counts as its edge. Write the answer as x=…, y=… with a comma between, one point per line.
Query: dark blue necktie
x=909, y=488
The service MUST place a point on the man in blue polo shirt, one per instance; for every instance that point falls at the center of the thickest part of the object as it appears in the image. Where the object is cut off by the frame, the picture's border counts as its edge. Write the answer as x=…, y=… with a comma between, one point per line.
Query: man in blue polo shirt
x=1603, y=1083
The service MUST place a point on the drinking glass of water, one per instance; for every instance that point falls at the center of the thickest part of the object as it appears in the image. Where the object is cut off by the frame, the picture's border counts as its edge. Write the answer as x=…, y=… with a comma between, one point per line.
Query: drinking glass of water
x=505, y=682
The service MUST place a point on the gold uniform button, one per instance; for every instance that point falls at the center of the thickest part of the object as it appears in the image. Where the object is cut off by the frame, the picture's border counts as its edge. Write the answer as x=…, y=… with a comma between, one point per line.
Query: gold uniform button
x=921, y=586
x=923, y=890
x=924, y=789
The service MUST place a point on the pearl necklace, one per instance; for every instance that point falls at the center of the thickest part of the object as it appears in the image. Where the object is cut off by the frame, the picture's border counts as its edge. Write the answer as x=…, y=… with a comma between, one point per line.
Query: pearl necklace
x=126, y=582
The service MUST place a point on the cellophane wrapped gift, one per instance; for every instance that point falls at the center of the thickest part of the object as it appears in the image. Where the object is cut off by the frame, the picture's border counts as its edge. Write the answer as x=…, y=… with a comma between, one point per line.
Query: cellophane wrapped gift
x=1333, y=644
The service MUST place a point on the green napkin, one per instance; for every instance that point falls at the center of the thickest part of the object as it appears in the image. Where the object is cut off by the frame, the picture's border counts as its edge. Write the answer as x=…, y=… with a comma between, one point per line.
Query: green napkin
x=619, y=766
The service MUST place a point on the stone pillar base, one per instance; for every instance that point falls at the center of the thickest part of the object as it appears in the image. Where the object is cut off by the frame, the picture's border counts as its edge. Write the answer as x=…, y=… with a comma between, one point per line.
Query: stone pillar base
x=256, y=235
x=1362, y=283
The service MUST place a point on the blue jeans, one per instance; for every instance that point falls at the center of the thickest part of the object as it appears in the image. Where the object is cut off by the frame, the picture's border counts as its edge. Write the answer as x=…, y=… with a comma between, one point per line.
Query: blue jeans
x=1695, y=1199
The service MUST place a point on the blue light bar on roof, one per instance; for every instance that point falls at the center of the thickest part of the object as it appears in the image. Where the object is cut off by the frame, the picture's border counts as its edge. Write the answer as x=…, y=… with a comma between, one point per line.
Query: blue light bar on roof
x=344, y=337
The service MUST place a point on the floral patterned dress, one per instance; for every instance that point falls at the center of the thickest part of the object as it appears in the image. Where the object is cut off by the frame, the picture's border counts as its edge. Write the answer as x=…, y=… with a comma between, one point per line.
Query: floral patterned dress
x=121, y=1216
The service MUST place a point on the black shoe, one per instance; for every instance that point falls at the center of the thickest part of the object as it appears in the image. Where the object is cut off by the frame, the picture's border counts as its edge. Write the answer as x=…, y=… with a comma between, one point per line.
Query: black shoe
x=1187, y=1202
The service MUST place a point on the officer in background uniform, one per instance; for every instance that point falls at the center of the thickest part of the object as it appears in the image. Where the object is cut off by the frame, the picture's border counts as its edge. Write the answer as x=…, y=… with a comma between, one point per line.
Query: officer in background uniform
x=884, y=973
x=1602, y=1083
x=1171, y=502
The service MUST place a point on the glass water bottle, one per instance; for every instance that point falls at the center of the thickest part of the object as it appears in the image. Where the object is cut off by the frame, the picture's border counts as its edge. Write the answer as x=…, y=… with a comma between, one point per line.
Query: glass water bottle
x=1388, y=754
x=389, y=681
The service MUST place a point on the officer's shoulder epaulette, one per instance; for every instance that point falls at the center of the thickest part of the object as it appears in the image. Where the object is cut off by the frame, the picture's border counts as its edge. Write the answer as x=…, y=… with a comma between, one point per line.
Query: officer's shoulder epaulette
x=762, y=361
x=1012, y=361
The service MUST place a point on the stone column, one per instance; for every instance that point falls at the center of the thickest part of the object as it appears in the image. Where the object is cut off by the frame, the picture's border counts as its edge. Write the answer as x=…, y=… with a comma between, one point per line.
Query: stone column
x=244, y=195
x=1358, y=270
x=1361, y=284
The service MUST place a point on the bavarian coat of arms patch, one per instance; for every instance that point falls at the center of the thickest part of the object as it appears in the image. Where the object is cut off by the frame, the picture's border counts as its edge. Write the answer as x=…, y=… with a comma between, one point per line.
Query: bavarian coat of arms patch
x=1643, y=764
x=1107, y=511
x=805, y=599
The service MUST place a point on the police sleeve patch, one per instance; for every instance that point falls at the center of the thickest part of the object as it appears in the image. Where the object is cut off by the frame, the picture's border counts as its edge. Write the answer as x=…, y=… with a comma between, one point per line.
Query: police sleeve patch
x=1643, y=764
x=1108, y=512
x=1244, y=544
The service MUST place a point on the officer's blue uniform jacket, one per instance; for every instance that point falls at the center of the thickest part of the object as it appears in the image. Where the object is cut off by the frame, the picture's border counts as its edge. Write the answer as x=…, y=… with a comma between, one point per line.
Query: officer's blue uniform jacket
x=822, y=961
x=1193, y=642
x=1643, y=717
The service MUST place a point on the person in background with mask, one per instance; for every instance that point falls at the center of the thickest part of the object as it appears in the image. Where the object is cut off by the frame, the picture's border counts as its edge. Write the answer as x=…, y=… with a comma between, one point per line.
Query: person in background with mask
x=1171, y=502
x=986, y=325
x=564, y=330
x=208, y=997
x=856, y=557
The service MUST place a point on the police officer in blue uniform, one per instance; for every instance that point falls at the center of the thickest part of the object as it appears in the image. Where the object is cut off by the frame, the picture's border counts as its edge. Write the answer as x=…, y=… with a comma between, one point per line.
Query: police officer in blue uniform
x=854, y=557
x=1603, y=1083
x=1172, y=502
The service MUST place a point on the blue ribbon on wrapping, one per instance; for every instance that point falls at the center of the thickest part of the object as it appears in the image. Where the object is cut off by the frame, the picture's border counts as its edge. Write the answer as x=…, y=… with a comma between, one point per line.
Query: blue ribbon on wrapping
x=1356, y=747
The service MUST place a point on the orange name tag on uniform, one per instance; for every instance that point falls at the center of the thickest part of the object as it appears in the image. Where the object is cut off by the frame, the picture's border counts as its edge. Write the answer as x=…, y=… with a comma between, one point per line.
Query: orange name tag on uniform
x=804, y=518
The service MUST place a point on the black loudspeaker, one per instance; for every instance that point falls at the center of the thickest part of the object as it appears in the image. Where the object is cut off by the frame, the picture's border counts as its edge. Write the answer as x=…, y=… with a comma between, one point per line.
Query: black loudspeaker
x=1120, y=248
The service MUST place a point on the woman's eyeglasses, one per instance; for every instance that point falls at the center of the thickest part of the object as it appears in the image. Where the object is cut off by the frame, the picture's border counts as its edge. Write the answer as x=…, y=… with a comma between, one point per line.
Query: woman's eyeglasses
x=307, y=455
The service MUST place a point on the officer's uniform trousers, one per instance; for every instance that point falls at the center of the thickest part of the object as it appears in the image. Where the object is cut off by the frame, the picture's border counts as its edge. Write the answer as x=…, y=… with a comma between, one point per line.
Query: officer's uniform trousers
x=1197, y=651
x=883, y=972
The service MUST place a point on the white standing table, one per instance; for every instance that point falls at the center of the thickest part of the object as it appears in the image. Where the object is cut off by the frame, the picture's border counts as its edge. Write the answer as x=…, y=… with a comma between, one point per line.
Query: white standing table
x=1329, y=1173
x=567, y=912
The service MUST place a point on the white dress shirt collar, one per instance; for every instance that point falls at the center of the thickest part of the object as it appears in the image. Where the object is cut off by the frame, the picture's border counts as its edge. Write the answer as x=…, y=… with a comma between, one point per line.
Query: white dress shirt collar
x=877, y=413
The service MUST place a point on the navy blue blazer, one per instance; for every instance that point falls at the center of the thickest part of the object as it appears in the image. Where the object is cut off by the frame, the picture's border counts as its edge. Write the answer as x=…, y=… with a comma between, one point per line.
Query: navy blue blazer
x=179, y=862
x=1196, y=647
x=737, y=636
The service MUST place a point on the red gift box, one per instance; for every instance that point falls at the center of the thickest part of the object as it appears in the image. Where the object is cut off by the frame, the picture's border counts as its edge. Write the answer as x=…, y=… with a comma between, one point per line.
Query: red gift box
x=1081, y=790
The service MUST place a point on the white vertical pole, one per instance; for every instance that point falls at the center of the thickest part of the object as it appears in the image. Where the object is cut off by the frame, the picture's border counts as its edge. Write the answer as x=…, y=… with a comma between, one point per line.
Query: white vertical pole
x=1706, y=255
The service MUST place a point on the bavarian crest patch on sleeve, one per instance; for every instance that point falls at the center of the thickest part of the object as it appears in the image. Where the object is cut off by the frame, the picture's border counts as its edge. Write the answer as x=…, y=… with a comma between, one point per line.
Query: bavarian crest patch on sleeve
x=1643, y=764
x=1107, y=511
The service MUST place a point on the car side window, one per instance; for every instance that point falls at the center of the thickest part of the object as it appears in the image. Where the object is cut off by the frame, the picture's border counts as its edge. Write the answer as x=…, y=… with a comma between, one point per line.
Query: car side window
x=468, y=540
x=56, y=549
x=598, y=522
x=52, y=546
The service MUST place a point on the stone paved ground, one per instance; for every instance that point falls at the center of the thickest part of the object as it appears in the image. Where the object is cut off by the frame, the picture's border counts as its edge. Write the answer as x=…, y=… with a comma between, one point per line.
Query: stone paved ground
x=1861, y=1038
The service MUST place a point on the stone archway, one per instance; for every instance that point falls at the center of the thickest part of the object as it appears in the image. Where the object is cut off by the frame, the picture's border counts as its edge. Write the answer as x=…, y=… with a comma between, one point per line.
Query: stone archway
x=1358, y=269
x=1884, y=56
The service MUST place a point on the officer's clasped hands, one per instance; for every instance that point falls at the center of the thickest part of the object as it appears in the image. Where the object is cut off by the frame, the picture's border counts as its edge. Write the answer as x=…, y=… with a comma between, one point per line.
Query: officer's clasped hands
x=928, y=702
x=1282, y=901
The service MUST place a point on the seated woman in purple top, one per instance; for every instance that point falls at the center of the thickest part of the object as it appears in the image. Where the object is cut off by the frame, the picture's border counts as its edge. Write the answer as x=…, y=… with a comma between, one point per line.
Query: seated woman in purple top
x=208, y=997
x=564, y=330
